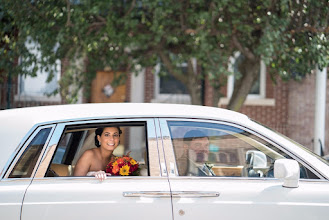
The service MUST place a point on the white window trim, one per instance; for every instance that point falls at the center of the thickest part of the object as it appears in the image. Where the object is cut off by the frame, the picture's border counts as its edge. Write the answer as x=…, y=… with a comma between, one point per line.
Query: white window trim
x=21, y=96
x=252, y=99
x=170, y=98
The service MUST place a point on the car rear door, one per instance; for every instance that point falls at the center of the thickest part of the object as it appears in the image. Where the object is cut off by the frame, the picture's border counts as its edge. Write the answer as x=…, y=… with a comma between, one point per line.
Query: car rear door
x=19, y=174
x=237, y=187
x=129, y=197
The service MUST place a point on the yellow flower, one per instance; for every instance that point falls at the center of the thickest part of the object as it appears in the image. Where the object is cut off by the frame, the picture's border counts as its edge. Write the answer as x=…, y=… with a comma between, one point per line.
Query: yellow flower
x=115, y=163
x=124, y=171
x=133, y=162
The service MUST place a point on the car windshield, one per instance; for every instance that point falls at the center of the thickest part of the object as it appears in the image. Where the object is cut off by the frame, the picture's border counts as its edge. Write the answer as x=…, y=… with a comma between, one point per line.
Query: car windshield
x=296, y=143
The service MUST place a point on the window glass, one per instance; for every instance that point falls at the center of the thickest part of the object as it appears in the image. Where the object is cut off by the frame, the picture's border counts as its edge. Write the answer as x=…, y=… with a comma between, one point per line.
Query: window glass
x=80, y=138
x=41, y=85
x=167, y=88
x=25, y=165
x=209, y=149
x=170, y=85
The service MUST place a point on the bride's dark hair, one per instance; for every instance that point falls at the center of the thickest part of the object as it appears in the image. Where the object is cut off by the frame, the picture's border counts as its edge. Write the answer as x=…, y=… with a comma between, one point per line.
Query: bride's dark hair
x=99, y=132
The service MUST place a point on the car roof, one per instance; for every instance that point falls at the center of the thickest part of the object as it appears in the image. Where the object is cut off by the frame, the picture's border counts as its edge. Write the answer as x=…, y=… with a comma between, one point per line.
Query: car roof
x=52, y=113
x=16, y=123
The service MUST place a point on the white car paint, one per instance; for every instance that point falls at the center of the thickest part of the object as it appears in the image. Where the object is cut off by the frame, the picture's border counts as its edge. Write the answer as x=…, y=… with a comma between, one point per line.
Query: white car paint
x=165, y=196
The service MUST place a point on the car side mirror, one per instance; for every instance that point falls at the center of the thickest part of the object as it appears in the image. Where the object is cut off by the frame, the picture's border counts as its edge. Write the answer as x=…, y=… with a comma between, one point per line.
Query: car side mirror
x=288, y=170
x=256, y=162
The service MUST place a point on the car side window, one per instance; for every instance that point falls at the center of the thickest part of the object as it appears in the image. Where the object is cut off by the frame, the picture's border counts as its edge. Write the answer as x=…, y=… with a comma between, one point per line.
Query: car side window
x=26, y=163
x=79, y=138
x=210, y=149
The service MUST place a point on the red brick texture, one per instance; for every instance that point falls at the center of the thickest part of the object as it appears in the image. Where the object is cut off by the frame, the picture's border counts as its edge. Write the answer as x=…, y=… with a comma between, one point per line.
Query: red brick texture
x=301, y=114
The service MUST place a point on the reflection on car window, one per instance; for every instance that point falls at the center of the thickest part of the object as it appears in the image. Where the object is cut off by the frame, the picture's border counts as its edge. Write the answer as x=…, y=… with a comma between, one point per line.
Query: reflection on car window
x=24, y=167
x=209, y=149
x=77, y=139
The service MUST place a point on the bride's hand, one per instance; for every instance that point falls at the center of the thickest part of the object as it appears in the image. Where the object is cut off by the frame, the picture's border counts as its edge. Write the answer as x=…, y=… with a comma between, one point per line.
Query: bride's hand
x=100, y=175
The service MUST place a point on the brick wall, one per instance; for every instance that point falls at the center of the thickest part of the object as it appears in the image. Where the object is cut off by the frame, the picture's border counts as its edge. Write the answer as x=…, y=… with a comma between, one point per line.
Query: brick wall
x=275, y=116
x=128, y=88
x=301, y=112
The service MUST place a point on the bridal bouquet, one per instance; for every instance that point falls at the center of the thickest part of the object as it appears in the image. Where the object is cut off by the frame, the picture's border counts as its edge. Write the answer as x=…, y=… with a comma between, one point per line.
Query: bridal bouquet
x=123, y=166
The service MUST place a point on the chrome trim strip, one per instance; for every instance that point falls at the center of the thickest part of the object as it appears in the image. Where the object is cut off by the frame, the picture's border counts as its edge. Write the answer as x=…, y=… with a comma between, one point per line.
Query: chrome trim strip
x=149, y=194
x=43, y=150
x=48, y=152
x=163, y=165
x=174, y=194
x=194, y=194
x=167, y=147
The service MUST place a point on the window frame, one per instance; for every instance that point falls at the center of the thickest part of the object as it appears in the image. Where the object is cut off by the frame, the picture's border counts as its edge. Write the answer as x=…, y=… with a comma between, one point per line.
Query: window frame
x=251, y=99
x=25, y=145
x=166, y=97
x=153, y=165
x=262, y=83
x=171, y=157
x=25, y=95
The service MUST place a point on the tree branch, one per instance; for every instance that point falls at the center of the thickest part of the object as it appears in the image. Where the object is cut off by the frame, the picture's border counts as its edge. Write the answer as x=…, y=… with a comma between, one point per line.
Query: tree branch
x=182, y=17
x=310, y=29
x=68, y=8
x=245, y=51
x=37, y=11
x=132, y=6
x=168, y=64
x=96, y=25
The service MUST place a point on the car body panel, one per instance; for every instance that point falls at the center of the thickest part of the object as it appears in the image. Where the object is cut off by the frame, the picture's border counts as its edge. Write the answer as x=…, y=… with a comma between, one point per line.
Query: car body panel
x=249, y=199
x=88, y=198
x=11, y=197
x=164, y=194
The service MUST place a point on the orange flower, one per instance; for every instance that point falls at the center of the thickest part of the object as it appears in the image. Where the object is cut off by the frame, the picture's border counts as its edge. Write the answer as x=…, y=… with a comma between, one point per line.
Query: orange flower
x=115, y=169
x=126, y=158
x=120, y=161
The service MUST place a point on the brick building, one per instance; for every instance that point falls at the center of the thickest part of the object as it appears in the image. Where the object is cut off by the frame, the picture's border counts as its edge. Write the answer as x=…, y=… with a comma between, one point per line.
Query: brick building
x=287, y=107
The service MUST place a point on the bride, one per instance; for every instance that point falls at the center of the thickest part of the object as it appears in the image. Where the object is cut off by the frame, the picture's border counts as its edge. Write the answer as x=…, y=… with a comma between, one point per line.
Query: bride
x=93, y=162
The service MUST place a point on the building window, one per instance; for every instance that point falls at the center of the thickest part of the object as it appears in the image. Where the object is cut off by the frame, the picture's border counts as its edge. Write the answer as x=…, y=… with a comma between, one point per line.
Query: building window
x=259, y=88
x=38, y=88
x=257, y=95
x=168, y=89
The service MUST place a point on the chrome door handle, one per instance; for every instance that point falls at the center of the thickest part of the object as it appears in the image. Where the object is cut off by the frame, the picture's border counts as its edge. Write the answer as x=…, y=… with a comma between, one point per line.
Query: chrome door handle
x=150, y=194
x=194, y=194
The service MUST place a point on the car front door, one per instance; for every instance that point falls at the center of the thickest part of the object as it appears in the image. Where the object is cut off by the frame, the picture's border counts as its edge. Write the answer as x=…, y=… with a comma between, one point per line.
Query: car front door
x=233, y=177
x=126, y=197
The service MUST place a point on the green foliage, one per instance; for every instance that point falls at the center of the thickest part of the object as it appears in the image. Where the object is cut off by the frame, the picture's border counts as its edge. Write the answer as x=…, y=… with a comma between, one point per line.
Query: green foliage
x=290, y=36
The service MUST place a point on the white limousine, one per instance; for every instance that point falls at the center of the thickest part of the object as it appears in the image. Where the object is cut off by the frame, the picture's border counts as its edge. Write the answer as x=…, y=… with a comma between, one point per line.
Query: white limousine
x=193, y=162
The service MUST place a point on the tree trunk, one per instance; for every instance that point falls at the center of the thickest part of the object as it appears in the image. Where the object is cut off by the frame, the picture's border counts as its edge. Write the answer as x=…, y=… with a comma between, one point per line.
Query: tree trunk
x=250, y=71
x=195, y=92
x=193, y=84
x=190, y=80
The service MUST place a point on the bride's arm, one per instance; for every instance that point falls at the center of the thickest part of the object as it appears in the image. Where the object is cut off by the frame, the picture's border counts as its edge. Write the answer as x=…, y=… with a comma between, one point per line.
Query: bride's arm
x=83, y=165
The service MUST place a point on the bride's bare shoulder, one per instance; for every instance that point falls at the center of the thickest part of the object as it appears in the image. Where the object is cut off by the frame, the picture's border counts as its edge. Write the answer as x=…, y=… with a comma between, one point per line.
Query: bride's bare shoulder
x=90, y=153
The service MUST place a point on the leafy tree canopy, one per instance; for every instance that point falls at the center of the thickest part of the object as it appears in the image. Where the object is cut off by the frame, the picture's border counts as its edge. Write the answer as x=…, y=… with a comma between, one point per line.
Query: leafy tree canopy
x=291, y=36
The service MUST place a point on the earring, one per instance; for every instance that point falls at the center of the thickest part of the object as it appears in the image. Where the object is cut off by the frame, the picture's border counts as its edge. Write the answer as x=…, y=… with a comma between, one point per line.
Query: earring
x=99, y=142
